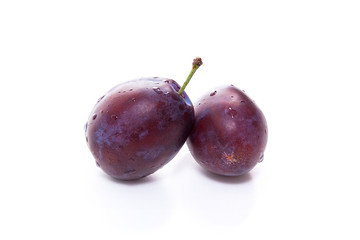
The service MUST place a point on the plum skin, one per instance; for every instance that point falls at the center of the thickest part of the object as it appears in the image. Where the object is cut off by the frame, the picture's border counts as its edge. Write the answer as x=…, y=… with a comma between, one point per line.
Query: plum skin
x=138, y=127
x=229, y=135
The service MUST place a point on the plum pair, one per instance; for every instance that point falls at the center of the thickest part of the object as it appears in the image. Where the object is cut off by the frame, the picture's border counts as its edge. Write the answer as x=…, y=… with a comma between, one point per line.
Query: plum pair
x=139, y=126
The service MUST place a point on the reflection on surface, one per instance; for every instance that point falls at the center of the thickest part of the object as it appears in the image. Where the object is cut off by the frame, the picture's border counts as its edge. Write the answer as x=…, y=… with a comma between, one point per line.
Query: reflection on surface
x=133, y=205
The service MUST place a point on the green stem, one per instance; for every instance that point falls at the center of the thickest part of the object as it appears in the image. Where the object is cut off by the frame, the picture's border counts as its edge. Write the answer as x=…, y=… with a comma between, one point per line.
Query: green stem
x=196, y=64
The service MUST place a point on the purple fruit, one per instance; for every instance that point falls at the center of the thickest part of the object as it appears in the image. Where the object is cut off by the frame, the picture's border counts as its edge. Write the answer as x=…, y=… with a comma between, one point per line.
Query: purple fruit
x=229, y=134
x=139, y=126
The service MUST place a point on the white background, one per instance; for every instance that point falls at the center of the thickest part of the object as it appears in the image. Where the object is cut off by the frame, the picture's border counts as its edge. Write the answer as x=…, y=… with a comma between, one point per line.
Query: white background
x=299, y=61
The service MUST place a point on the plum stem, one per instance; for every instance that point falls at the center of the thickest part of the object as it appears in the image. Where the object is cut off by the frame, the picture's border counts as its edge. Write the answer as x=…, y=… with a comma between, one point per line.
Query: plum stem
x=196, y=64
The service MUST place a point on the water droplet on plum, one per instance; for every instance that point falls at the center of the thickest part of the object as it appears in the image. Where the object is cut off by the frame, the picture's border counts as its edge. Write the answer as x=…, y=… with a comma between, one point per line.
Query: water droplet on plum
x=261, y=158
x=130, y=171
x=100, y=99
x=230, y=111
x=213, y=93
x=131, y=100
x=114, y=117
x=94, y=117
x=157, y=90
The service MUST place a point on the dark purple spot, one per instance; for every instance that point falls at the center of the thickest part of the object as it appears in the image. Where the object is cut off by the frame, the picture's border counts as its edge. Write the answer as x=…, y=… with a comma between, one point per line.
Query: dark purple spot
x=213, y=93
x=94, y=117
x=134, y=137
x=174, y=97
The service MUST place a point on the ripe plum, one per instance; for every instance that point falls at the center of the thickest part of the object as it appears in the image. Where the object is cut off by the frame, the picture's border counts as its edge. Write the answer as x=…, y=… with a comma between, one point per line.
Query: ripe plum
x=229, y=135
x=139, y=126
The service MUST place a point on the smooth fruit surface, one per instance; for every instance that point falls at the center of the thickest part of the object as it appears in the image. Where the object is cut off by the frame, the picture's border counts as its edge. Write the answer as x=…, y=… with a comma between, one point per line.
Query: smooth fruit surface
x=139, y=126
x=229, y=135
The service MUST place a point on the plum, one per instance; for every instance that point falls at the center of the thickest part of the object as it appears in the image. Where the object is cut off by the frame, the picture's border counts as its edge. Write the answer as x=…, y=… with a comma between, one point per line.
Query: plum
x=229, y=135
x=139, y=126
